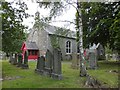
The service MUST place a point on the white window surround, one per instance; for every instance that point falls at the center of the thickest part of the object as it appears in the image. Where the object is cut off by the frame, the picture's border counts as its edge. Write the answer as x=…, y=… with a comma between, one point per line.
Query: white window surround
x=69, y=46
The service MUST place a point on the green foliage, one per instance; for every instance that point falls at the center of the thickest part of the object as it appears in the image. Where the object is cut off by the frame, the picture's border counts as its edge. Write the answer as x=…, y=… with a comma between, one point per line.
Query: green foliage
x=101, y=23
x=55, y=41
x=13, y=30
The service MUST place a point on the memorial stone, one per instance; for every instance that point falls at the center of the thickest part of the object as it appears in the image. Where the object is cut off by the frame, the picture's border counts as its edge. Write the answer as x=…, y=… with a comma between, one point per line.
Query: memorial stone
x=19, y=64
x=40, y=65
x=25, y=63
x=75, y=61
x=92, y=60
x=56, y=74
x=48, y=63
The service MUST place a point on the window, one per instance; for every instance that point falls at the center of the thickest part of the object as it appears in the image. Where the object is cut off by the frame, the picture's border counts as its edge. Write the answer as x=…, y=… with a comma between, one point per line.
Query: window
x=78, y=49
x=68, y=47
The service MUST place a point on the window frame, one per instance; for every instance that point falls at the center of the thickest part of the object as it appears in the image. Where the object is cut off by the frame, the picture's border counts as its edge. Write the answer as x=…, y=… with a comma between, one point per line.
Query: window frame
x=68, y=48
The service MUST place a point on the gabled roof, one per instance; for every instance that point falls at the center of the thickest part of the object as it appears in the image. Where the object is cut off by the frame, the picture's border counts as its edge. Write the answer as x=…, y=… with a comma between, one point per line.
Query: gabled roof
x=52, y=30
x=30, y=46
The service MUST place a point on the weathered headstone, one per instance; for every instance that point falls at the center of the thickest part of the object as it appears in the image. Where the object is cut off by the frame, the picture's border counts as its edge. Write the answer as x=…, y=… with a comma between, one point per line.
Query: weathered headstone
x=25, y=63
x=19, y=64
x=75, y=61
x=48, y=63
x=56, y=73
x=13, y=59
x=92, y=59
x=40, y=65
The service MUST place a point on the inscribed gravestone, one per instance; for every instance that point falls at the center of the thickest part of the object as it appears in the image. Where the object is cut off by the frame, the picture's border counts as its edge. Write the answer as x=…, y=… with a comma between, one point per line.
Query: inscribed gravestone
x=48, y=63
x=75, y=61
x=40, y=65
x=11, y=58
x=25, y=63
x=92, y=59
x=56, y=74
x=19, y=60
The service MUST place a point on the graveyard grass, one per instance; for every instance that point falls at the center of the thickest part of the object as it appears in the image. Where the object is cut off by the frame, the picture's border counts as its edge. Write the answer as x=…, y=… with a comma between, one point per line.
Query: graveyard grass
x=71, y=79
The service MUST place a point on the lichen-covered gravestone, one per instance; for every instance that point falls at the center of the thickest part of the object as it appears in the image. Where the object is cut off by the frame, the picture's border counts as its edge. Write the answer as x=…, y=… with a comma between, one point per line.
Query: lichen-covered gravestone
x=75, y=61
x=56, y=73
x=19, y=64
x=92, y=59
x=40, y=65
x=25, y=63
x=48, y=63
x=13, y=59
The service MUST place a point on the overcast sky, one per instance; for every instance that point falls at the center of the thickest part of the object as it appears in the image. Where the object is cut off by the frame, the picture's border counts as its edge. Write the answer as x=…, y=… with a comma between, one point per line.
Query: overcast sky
x=69, y=15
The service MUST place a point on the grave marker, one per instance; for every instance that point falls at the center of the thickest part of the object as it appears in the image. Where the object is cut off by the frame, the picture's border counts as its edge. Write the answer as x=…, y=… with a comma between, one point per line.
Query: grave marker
x=92, y=59
x=75, y=61
x=57, y=74
x=48, y=63
x=19, y=60
x=40, y=65
x=25, y=63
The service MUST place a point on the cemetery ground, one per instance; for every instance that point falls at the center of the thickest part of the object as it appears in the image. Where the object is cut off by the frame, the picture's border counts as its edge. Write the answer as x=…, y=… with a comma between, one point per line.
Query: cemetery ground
x=14, y=77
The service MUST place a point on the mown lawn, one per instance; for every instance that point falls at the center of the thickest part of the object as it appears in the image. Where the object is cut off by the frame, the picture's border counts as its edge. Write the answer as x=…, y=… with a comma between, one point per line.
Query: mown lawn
x=15, y=77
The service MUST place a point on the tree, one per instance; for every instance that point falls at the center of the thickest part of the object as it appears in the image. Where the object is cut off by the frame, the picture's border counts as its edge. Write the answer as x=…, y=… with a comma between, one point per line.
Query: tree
x=101, y=23
x=13, y=30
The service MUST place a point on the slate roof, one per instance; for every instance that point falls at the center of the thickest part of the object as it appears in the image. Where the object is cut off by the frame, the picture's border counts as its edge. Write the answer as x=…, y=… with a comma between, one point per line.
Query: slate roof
x=31, y=46
x=53, y=30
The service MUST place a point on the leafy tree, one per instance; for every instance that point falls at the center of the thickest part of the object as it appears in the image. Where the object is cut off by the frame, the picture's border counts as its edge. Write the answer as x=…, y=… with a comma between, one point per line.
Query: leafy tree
x=13, y=29
x=101, y=23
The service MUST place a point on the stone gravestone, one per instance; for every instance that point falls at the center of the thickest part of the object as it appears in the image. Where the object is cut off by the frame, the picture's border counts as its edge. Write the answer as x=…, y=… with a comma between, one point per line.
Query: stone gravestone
x=13, y=59
x=40, y=65
x=92, y=59
x=25, y=63
x=75, y=61
x=56, y=73
x=19, y=64
x=48, y=63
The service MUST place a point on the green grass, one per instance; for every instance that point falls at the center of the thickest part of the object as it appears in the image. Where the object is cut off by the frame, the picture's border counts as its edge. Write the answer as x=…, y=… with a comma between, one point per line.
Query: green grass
x=104, y=75
x=71, y=79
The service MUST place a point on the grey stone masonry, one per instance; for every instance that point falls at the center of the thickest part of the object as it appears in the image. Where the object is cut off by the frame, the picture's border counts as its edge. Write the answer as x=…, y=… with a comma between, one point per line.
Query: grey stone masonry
x=57, y=74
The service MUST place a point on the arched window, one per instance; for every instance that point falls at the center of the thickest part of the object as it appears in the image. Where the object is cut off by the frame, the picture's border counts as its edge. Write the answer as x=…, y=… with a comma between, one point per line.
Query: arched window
x=68, y=47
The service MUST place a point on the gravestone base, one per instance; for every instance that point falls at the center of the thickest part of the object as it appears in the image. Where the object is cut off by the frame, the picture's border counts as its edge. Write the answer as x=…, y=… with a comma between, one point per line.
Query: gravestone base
x=41, y=72
x=25, y=66
x=57, y=76
x=19, y=65
x=13, y=61
x=94, y=68
x=47, y=71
